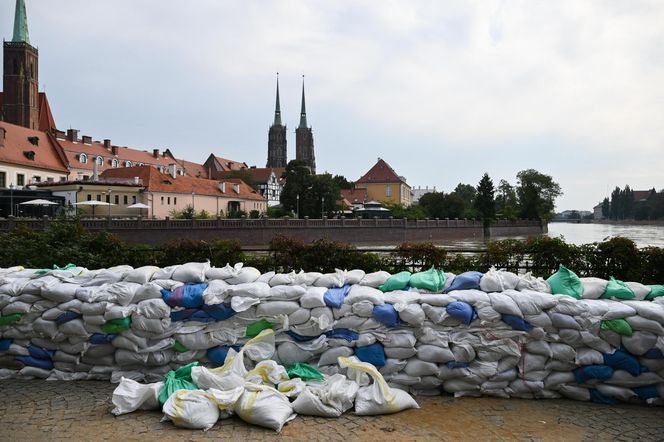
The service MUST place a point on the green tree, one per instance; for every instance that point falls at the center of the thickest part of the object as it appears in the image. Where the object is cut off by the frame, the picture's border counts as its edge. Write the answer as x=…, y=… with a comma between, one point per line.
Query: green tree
x=485, y=203
x=343, y=182
x=467, y=193
x=506, y=200
x=606, y=208
x=313, y=195
x=441, y=205
x=537, y=194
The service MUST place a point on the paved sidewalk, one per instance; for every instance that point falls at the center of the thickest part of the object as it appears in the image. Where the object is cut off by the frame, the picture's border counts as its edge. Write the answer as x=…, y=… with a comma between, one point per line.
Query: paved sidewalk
x=73, y=411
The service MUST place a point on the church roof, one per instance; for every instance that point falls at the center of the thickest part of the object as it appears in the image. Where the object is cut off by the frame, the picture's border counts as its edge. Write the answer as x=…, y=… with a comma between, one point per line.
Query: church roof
x=21, y=34
x=381, y=173
x=46, y=120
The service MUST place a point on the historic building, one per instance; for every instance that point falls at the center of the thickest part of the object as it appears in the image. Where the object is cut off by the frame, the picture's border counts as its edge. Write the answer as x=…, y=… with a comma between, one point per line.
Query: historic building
x=304, y=139
x=277, y=150
x=383, y=184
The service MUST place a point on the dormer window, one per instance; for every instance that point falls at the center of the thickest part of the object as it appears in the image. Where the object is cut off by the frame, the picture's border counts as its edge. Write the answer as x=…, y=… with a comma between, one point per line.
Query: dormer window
x=140, y=164
x=34, y=141
x=83, y=158
x=100, y=161
x=160, y=169
x=114, y=163
x=128, y=164
x=29, y=154
x=181, y=172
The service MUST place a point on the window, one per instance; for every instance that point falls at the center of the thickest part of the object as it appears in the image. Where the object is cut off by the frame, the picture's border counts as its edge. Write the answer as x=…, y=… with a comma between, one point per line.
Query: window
x=108, y=198
x=388, y=190
x=114, y=163
x=89, y=197
x=3, y=179
x=117, y=199
x=175, y=200
x=161, y=169
x=63, y=179
x=98, y=197
x=127, y=163
x=133, y=199
x=20, y=179
x=83, y=158
x=100, y=161
x=125, y=200
x=162, y=200
x=140, y=164
x=169, y=201
x=49, y=179
x=36, y=179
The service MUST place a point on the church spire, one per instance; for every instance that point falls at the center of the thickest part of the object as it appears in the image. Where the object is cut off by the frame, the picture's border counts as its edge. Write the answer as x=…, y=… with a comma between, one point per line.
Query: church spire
x=303, y=111
x=277, y=108
x=21, y=24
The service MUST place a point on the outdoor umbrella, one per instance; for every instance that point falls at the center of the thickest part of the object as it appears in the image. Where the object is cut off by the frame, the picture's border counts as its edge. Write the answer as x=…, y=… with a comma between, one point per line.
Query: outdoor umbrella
x=39, y=202
x=139, y=206
x=94, y=203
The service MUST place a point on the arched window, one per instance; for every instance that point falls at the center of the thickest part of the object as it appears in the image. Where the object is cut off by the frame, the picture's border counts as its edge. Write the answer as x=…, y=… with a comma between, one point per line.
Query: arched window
x=100, y=161
x=83, y=158
x=127, y=163
x=114, y=163
x=140, y=164
x=182, y=172
x=160, y=169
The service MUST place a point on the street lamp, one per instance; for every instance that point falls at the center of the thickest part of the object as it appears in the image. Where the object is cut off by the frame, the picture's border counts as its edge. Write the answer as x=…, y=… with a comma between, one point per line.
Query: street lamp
x=297, y=207
x=11, y=199
x=193, y=207
x=109, y=204
x=322, y=207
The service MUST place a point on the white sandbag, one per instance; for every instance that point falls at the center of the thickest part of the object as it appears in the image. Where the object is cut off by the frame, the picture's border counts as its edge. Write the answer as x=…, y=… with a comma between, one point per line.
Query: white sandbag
x=593, y=288
x=130, y=396
x=354, y=276
x=503, y=304
x=189, y=272
x=639, y=343
x=418, y=368
x=60, y=293
x=198, y=409
x=153, y=309
x=363, y=309
x=264, y=406
x=411, y=314
x=330, y=280
x=306, y=278
x=245, y=275
x=330, y=398
x=267, y=372
x=375, y=279
x=435, y=354
x=648, y=310
x=223, y=378
x=331, y=355
x=141, y=275
x=617, y=310
x=359, y=293
x=275, y=308
x=378, y=398
x=641, y=291
x=286, y=293
x=498, y=280
x=216, y=292
x=529, y=282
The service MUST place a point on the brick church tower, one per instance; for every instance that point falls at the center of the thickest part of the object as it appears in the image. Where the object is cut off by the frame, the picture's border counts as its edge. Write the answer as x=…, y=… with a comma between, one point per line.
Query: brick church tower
x=21, y=75
x=277, y=151
x=304, y=139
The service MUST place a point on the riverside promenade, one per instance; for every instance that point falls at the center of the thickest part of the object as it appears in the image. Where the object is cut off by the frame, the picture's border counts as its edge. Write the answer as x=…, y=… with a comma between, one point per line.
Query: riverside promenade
x=259, y=232
x=81, y=411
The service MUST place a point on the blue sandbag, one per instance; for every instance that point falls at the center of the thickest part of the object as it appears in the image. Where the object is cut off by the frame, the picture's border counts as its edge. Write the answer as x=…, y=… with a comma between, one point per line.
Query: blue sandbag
x=44, y=364
x=334, y=297
x=343, y=333
x=5, y=343
x=182, y=315
x=589, y=372
x=597, y=397
x=386, y=315
x=300, y=338
x=466, y=281
x=373, y=354
x=187, y=296
x=67, y=316
x=100, y=338
x=40, y=353
x=620, y=359
x=517, y=323
x=462, y=311
x=220, y=312
x=456, y=364
x=647, y=392
x=654, y=353
x=217, y=355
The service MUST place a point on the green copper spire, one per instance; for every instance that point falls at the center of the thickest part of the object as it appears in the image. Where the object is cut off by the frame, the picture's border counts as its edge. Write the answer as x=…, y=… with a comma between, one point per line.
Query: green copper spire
x=21, y=23
x=303, y=112
x=277, y=109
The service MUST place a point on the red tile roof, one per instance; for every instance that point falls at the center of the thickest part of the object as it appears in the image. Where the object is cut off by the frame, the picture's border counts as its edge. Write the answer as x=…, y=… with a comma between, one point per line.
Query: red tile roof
x=17, y=146
x=260, y=175
x=641, y=195
x=354, y=196
x=46, y=120
x=220, y=164
x=155, y=181
x=381, y=172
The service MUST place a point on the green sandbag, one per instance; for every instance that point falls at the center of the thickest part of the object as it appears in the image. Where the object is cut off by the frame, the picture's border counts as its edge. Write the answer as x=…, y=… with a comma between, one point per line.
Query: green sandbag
x=617, y=289
x=115, y=326
x=304, y=371
x=655, y=292
x=432, y=280
x=10, y=319
x=565, y=282
x=179, y=379
x=619, y=326
x=179, y=347
x=254, y=329
x=396, y=282
x=55, y=267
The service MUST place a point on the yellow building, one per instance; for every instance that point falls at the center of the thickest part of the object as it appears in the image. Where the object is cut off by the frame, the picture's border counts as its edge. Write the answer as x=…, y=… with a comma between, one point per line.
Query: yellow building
x=383, y=184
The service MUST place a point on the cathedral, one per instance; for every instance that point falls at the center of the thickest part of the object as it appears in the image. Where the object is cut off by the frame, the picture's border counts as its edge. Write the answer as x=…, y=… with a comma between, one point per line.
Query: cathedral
x=277, y=151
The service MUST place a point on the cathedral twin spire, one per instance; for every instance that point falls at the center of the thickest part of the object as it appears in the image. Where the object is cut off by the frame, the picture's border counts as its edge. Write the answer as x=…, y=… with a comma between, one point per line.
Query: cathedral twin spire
x=277, y=109
x=21, y=34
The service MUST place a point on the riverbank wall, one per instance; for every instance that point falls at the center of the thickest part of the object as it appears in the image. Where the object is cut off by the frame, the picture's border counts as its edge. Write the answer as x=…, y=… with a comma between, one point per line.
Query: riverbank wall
x=259, y=232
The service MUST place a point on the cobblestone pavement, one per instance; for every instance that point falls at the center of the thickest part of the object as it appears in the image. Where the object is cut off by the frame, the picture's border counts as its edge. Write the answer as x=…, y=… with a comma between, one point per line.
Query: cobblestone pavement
x=41, y=410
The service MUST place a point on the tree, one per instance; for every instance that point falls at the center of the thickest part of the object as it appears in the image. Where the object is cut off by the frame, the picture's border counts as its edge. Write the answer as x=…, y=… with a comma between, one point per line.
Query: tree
x=506, y=200
x=243, y=174
x=537, y=194
x=467, y=193
x=485, y=203
x=343, y=182
x=308, y=192
x=606, y=208
x=440, y=205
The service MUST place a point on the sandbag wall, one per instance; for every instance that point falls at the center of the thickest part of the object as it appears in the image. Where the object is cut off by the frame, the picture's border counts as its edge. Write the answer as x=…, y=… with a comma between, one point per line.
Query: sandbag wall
x=429, y=333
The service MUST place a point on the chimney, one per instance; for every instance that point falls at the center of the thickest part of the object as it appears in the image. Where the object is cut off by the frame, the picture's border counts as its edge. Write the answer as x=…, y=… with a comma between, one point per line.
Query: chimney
x=155, y=153
x=72, y=135
x=114, y=150
x=95, y=171
x=172, y=169
x=87, y=139
x=136, y=180
x=107, y=144
x=222, y=187
x=2, y=136
x=236, y=188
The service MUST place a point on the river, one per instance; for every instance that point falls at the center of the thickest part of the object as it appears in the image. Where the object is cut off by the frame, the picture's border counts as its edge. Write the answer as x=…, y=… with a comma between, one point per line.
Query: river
x=642, y=235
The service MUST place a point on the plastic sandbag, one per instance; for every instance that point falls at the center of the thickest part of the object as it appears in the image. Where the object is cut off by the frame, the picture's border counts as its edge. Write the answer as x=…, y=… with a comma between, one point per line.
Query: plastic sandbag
x=377, y=398
x=304, y=371
x=330, y=398
x=565, y=282
x=264, y=406
x=617, y=289
x=179, y=379
x=198, y=409
x=465, y=281
x=130, y=396
x=432, y=280
x=398, y=281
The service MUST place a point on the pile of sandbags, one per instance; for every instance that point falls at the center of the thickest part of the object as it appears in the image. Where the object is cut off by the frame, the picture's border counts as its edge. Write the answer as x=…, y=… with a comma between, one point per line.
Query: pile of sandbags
x=427, y=333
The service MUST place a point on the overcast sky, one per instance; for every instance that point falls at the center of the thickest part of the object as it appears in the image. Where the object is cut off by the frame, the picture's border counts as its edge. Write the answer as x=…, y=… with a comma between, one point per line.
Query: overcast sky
x=443, y=91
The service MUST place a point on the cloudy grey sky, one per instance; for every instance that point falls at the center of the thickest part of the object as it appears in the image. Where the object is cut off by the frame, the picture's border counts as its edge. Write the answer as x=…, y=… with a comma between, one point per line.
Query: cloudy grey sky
x=443, y=91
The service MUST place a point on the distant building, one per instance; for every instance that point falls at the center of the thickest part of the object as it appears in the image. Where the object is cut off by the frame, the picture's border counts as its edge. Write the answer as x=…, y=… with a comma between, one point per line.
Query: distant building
x=267, y=180
x=354, y=198
x=304, y=139
x=383, y=184
x=277, y=150
x=419, y=191
x=372, y=209
x=598, y=212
